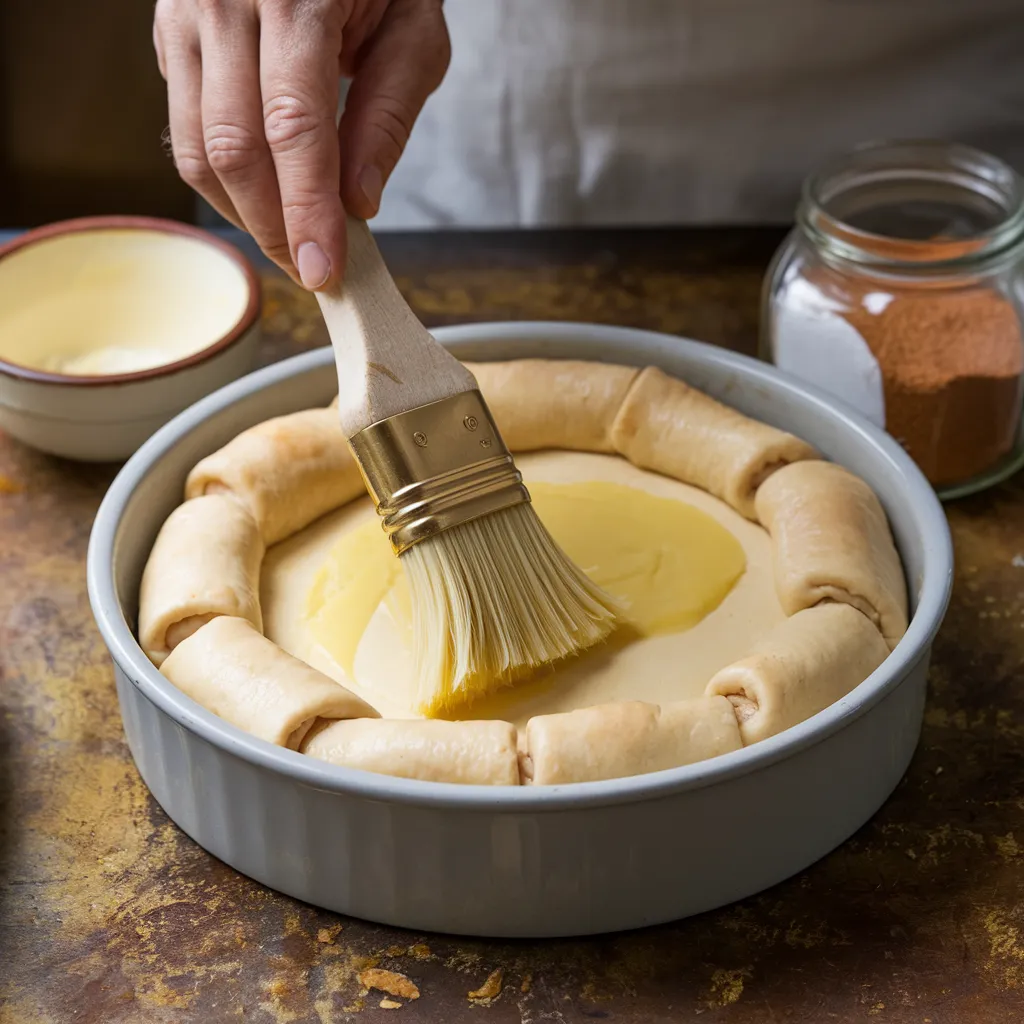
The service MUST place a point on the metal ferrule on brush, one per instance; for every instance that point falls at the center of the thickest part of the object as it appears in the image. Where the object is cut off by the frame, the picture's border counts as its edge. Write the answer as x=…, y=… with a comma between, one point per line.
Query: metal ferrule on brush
x=436, y=467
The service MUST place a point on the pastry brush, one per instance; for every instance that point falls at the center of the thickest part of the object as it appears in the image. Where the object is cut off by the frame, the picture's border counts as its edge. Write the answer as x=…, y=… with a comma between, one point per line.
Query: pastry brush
x=493, y=596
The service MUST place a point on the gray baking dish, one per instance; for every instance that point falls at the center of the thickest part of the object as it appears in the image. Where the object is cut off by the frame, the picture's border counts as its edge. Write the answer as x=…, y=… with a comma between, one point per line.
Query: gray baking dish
x=545, y=861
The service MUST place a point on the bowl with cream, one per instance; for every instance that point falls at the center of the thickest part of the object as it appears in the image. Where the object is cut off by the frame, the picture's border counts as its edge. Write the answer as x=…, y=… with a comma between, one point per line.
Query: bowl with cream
x=111, y=326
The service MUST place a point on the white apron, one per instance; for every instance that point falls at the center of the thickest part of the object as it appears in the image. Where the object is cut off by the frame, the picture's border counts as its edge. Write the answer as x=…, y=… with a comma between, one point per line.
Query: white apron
x=588, y=112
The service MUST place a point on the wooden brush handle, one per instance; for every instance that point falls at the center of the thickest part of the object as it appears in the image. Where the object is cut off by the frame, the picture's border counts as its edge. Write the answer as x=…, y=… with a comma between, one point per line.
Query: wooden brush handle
x=388, y=362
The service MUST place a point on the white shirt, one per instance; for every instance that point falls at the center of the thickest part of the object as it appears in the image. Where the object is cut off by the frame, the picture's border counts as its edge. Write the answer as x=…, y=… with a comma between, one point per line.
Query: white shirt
x=589, y=112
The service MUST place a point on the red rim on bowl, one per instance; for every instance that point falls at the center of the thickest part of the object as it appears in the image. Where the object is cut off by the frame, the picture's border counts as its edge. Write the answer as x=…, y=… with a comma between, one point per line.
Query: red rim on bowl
x=169, y=227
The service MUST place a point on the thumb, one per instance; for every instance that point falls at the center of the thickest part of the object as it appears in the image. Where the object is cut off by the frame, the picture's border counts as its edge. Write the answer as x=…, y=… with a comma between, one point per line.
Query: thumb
x=401, y=64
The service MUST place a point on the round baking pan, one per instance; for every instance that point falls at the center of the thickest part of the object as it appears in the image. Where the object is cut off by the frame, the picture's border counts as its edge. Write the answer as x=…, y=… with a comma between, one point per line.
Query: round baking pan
x=522, y=861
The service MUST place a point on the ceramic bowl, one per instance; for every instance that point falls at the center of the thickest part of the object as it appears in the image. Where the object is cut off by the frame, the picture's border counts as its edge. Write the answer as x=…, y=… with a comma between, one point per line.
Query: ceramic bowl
x=110, y=326
x=523, y=861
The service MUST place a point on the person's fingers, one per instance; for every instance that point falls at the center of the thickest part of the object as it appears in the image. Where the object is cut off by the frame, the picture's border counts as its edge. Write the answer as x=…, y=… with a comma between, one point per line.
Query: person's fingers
x=300, y=46
x=180, y=65
x=158, y=45
x=402, y=63
x=232, y=123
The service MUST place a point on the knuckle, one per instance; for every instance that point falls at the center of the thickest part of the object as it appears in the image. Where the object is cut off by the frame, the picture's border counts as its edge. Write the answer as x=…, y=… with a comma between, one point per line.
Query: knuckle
x=211, y=8
x=320, y=12
x=175, y=34
x=193, y=169
x=290, y=124
x=425, y=19
x=163, y=15
x=278, y=251
x=230, y=149
x=394, y=120
x=171, y=18
x=441, y=50
x=223, y=15
x=303, y=208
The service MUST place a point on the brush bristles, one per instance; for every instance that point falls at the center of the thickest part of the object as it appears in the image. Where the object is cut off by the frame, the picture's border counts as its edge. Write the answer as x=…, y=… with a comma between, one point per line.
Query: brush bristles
x=492, y=600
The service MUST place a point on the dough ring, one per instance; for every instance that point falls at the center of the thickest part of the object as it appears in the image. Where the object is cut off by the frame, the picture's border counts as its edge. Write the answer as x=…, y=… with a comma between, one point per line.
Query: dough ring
x=837, y=573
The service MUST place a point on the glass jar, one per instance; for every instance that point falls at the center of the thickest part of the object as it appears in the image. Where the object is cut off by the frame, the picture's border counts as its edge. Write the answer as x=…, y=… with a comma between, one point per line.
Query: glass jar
x=901, y=292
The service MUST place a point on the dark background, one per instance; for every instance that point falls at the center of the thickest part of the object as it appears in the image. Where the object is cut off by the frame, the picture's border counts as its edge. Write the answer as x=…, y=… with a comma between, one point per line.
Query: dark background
x=82, y=111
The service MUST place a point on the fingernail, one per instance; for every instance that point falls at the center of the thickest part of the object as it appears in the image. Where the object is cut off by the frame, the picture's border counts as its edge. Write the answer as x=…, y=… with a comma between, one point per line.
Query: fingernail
x=371, y=181
x=313, y=265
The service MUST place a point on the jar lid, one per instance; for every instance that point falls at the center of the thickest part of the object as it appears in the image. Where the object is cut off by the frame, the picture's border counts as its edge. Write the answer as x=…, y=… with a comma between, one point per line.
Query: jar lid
x=929, y=203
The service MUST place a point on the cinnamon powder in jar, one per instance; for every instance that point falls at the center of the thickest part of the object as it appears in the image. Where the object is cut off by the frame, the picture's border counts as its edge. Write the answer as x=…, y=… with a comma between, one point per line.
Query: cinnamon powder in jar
x=952, y=367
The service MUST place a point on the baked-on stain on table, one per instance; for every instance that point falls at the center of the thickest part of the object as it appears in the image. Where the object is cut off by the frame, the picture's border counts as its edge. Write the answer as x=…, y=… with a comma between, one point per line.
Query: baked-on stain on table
x=111, y=915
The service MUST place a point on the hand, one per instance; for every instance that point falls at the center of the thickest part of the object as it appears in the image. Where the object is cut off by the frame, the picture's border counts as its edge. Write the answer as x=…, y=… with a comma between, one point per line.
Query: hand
x=252, y=91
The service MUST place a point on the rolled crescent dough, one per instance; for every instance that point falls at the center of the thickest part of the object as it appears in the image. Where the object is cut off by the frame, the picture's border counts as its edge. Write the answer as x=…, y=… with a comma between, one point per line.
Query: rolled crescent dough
x=610, y=741
x=667, y=426
x=805, y=664
x=832, y=541
x=838, y=577
x=287, y=471
x=554, y=403
x=205, y=562
x=231, y=669
x=480, y=753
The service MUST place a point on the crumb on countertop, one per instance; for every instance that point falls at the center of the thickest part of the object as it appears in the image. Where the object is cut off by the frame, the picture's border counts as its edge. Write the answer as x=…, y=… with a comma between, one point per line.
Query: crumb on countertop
x=491, y=988
x=391, y=982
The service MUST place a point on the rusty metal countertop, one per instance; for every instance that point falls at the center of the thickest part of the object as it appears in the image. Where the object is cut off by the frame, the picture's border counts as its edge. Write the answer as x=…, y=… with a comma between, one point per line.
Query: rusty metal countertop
x=110, y=915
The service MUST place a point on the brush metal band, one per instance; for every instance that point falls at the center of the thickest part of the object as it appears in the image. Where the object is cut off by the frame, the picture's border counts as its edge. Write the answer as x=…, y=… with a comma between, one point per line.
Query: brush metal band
x=436, y=467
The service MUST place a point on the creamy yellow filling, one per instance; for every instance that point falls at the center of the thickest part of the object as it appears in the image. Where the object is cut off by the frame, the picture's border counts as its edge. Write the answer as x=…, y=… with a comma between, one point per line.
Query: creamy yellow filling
x=666, y=562
x=104, y=302
x=658, y=668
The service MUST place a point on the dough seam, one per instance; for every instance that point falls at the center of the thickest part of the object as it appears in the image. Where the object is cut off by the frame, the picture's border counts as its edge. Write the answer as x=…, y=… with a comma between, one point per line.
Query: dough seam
x=832, y=540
